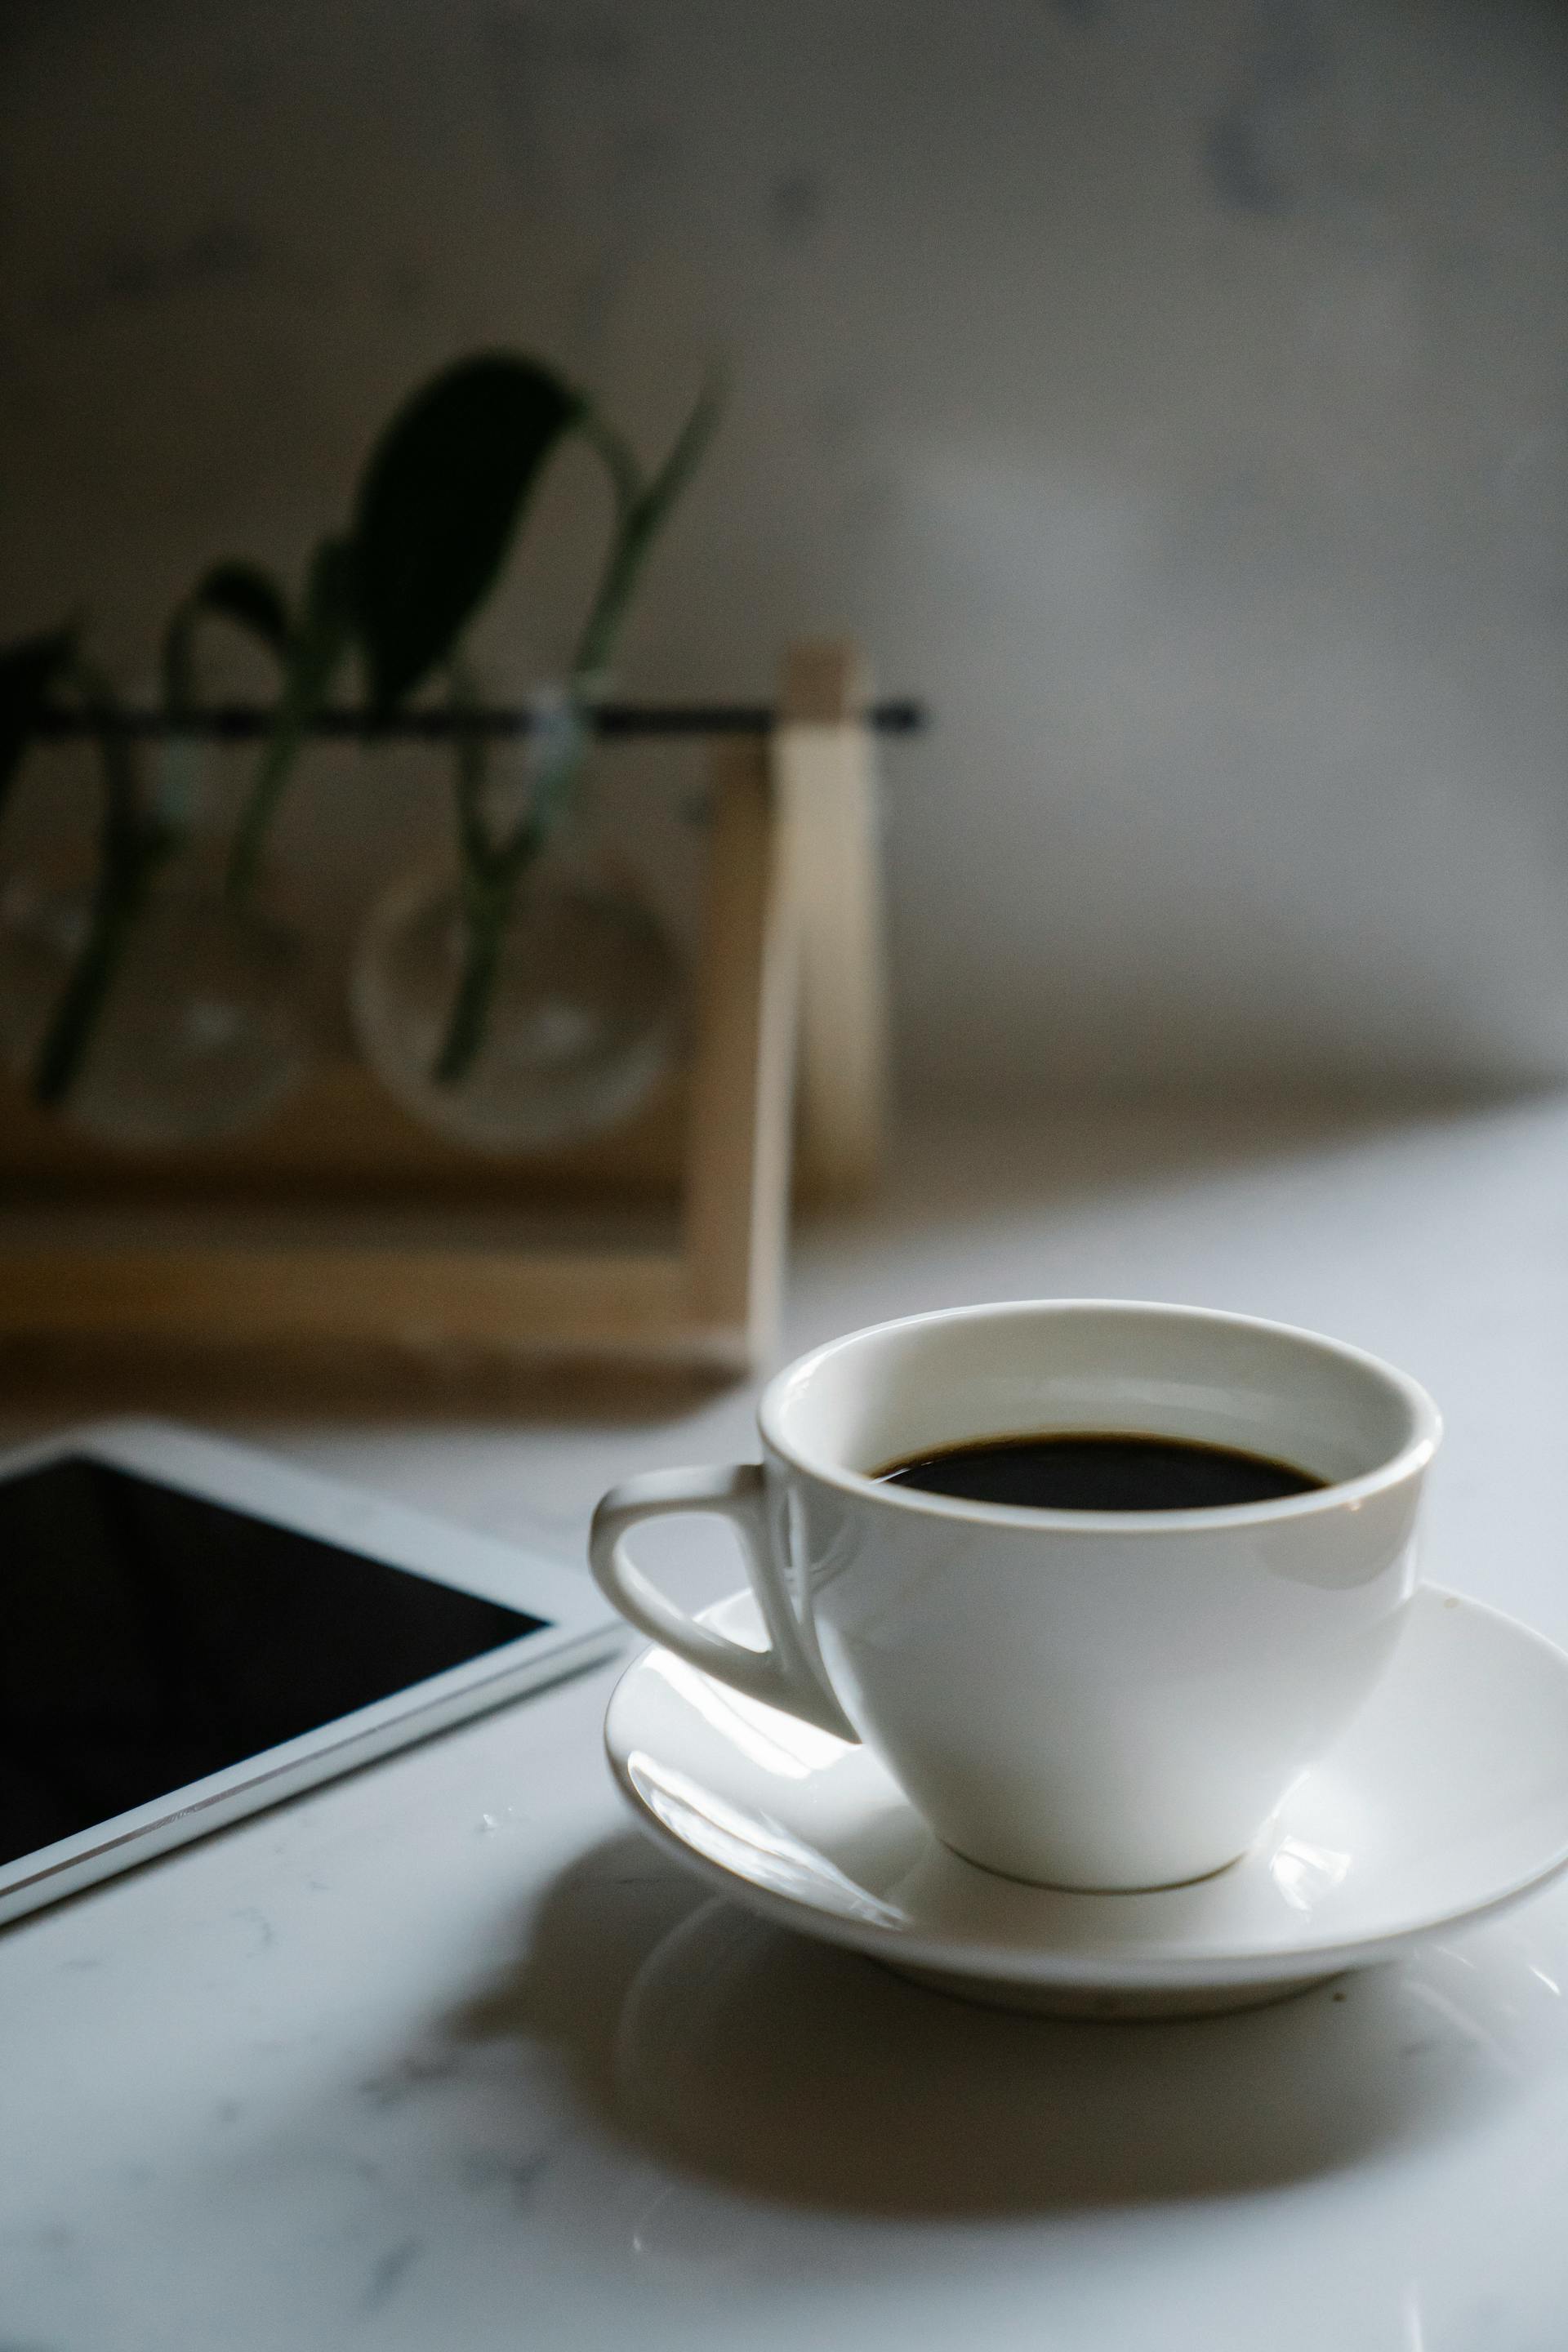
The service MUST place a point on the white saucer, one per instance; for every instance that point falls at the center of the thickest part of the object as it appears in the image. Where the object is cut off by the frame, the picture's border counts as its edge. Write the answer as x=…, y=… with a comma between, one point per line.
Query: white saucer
x=1446, y=1801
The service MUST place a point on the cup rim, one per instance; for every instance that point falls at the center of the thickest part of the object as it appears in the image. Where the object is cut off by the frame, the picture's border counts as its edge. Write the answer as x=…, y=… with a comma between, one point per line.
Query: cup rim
x=1427, y=1428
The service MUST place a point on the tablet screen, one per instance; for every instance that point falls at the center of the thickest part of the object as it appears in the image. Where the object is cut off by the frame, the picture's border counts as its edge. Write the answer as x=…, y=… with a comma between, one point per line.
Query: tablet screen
x=149, y=1637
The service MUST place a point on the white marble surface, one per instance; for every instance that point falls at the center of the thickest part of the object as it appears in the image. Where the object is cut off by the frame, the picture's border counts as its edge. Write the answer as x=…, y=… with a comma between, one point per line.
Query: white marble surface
x=443, y=2057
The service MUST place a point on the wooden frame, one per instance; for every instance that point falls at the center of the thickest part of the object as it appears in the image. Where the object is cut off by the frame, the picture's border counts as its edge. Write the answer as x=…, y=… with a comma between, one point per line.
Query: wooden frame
x=251, y=1260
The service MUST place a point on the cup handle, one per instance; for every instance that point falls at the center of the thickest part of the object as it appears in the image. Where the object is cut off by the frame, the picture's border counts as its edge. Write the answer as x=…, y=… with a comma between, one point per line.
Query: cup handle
x=785, y=1675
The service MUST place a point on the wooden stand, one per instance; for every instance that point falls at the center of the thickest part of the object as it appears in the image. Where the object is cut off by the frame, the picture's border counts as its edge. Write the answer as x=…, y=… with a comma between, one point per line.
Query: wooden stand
x=320, y=1238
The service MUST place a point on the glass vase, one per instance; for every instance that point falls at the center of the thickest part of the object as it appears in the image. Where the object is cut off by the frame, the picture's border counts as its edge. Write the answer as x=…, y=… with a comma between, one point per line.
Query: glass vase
x=581, y=1016
x=202, y=1029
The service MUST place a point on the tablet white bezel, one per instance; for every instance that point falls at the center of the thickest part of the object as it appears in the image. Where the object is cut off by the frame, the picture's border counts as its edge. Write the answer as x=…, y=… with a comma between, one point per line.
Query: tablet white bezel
x=581, y=1630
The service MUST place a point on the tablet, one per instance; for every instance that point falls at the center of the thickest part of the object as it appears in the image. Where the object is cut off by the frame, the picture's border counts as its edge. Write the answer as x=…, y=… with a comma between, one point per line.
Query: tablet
x=190, y=1631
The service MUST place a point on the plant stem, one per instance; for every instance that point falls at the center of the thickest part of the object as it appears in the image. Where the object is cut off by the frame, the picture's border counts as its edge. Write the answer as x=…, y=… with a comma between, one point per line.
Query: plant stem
x=118, y=900
x=256, y=821
x=641, y=514
x=490, y=874
x=311, y=656
x=487, y=912
x=492, y=871
x=133, y=844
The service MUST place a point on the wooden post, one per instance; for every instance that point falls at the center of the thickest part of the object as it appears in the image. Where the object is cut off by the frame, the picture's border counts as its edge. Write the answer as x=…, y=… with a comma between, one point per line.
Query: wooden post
x=737, y=1149
x=825, y=779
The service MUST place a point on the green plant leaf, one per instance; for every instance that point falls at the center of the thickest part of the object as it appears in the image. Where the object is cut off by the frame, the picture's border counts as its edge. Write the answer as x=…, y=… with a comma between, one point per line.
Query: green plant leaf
x=27, y=670
x=237, y=592
x=438, y=506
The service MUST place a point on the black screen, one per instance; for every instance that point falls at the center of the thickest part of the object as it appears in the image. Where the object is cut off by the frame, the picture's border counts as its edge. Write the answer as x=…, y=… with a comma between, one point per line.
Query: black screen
x=149, y=1637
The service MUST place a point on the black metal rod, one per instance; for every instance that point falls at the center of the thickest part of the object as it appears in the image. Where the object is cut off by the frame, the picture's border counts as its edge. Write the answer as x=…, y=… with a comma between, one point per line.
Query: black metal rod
x=244, y=722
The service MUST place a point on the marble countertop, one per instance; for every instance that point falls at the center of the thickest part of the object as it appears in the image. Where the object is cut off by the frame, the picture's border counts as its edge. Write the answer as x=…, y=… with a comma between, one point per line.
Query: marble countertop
x=445, y=2056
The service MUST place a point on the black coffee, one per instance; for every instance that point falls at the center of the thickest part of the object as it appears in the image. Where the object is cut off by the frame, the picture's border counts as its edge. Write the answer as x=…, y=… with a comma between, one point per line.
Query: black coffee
x=1101, y=1472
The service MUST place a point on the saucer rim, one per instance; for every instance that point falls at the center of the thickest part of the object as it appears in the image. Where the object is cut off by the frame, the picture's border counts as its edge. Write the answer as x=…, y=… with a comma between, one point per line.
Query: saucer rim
x=1166, y=1965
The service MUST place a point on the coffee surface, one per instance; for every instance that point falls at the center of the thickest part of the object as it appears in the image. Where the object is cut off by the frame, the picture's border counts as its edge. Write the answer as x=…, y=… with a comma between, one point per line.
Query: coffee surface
x=1100, y=1471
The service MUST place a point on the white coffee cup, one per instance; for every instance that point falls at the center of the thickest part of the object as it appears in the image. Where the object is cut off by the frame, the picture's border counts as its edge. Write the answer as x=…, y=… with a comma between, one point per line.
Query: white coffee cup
x=1094, y=1700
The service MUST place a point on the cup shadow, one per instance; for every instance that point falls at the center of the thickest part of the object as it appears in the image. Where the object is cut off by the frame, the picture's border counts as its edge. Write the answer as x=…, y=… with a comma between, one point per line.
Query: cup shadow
x=800, y=2072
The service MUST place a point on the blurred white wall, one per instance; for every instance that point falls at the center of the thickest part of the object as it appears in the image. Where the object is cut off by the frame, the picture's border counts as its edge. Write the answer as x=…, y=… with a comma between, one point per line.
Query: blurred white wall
x=1170, y=390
